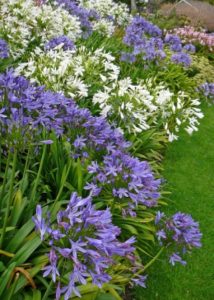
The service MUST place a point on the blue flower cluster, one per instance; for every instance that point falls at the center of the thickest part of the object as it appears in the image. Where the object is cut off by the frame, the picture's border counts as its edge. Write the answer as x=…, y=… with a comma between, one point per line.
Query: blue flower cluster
x=84, y=15
x=4, y=50
x=83, y=236
x=180, y=231
x=126, y=178
x=208, y=90
x=180, y=56
x=63, y=40
x=29, y=109
x=83, y=256
x=146, y=40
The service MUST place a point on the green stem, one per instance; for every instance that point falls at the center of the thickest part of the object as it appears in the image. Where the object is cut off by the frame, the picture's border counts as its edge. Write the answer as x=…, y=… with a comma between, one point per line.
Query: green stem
x=79, y=177
x=62, y=184
x=13, y=287
x=10, y=197
x=0, y=154
x=48, y=290
x=5, y=179
x=26, y=167
x=36, y=183
x=151, y=261
x=5, y=253
x=114, y=293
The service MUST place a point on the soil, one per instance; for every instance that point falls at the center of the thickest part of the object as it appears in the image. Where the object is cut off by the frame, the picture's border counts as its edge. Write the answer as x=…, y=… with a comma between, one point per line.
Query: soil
x=200, y=13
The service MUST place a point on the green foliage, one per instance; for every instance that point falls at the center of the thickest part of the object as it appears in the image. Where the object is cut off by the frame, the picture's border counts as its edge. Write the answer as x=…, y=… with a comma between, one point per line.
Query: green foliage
x=149, y=145
x=202, y=70
x=168, y=22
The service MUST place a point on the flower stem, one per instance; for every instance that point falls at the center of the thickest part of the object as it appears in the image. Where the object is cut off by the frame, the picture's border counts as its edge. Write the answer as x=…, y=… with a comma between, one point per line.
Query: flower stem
x=62, y=184
x=47, y=292
x=151, y=261
x=5, y=253
x=10, y=197
x=5, y=179
x=36, y=183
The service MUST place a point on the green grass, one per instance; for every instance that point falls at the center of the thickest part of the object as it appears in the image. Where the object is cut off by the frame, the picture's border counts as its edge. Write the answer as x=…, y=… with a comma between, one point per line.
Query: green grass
x=189, y=170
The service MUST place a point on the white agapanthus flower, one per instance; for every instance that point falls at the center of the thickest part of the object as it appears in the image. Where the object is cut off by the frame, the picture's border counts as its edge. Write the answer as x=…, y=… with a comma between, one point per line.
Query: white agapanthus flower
x=104, y=27
x=116, y=11
x=93, y=76
x=78, y=73
x=136, y=108
x=22, y=23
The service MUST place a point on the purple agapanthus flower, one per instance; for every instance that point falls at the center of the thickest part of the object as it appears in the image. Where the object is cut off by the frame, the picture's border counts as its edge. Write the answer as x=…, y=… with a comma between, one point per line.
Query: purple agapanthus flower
x=63, y=40
x=161, y=234
x=174, y=41
x=128, y=57
x=146, y=41
x=40, y=223
x=79, y=142
x=158, y=217
x=181, y=58
x=189, y=48
x=144, y=38
x=92, y=244
x=176, y=258
x=132, y=177
x=207, y=89
x=179, y=232
x=4, y=49
x=140, y=280
x=84, y=15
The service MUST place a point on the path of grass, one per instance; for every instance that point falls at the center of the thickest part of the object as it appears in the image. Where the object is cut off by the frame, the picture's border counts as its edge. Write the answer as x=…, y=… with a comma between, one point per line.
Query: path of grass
x=189, y=170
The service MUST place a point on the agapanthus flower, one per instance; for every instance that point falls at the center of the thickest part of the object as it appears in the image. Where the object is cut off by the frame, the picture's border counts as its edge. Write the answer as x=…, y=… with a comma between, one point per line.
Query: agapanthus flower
x=176, y=258
x=158, y=217
x=189, y=48
x=69, y=72
x=135, y=183
x=140, y=280
x=40, y=224
x=85, y=16
x=113, y=11
x=91, y=241
x=128, y=57
x=144, y=38
x=207, y=89
x=28, y=108
x=139, y=107
x=24, y=22
x=174, y=41
x=4, y=49
x=179, y=233
x=181, y=58
x=147, y=42
x=63, y=40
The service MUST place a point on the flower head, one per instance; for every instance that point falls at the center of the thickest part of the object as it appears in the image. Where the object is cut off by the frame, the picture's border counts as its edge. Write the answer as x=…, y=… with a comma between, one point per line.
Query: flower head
x=91, y=240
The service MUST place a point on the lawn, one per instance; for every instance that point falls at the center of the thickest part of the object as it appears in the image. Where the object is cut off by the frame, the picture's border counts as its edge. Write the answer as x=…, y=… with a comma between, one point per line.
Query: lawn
x=189, y=170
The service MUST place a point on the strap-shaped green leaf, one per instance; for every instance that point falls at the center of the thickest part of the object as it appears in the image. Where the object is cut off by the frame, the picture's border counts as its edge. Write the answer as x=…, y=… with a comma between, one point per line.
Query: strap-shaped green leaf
x=21, y=234
x=5, y=277
x=26, y=250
